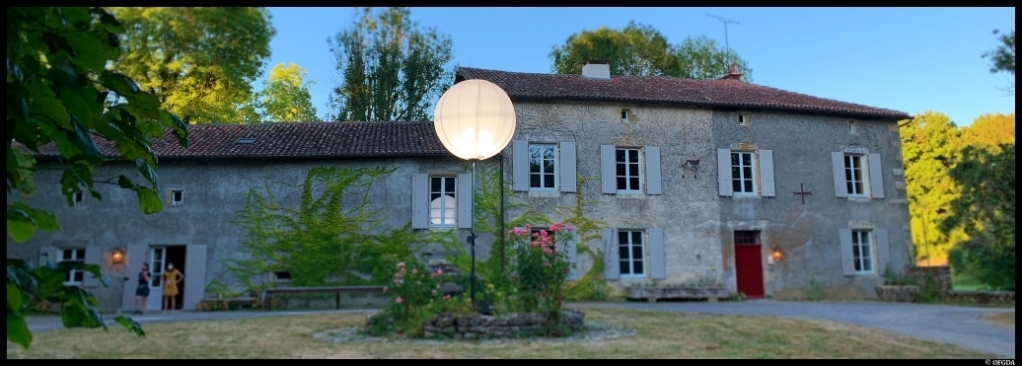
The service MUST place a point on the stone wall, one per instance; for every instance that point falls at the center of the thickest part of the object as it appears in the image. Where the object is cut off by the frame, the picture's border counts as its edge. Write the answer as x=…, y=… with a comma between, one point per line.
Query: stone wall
x=938, y=277
x=506, y=326
x=981, y=297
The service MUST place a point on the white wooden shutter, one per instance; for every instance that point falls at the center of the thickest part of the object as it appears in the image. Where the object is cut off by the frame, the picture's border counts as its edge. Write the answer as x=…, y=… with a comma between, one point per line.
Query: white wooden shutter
x=465, y=185
x=611, y=270
x=420, y=201
x=93, y=255
x=195, y=280
x=876, y=176
x=766, y=173
x=607, y=165
x=724, y=172
x=520, y=165
x=847, y=256
x=653, y=176
x=567, y=167
x=572, y=249
x=883, y=250
x=838, y=163
x=657, y=255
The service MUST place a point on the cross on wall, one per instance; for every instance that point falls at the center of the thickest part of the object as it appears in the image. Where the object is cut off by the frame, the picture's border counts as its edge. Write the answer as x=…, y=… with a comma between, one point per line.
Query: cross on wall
x=803, y=193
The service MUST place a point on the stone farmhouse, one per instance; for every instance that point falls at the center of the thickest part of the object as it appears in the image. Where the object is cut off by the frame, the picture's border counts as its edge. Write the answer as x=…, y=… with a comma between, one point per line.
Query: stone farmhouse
x=760, y=190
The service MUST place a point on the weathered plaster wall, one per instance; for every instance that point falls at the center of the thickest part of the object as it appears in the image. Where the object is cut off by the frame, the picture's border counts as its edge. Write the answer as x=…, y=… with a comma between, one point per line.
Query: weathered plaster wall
x=808, y=234
x=213, y=193
x=687, y=210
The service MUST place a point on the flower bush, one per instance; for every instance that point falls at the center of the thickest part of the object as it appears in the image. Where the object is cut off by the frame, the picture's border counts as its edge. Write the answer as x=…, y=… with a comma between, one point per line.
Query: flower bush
x=415, y=297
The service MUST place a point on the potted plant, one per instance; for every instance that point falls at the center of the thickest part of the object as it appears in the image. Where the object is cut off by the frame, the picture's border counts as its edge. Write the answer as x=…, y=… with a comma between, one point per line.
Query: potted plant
x=897, y=288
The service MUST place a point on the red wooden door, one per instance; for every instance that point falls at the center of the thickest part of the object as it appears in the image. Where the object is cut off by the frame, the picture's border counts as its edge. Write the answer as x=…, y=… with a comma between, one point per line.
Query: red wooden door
x=749, y=268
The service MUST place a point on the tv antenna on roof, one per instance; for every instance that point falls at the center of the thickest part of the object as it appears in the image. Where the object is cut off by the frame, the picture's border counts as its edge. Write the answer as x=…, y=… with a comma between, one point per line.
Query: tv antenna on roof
x=726, y=44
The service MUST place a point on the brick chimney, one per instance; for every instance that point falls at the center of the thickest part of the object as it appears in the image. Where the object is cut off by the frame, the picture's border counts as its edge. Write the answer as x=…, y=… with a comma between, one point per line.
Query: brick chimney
x=596, y=69
x=732, y=74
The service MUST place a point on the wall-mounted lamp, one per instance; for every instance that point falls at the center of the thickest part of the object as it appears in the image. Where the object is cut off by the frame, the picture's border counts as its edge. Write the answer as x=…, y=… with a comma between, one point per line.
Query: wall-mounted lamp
x=776, y=254
x=117, y=256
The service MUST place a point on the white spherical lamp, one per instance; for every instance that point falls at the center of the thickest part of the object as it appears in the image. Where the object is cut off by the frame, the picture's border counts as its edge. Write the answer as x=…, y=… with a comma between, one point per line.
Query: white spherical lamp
x=474, y=119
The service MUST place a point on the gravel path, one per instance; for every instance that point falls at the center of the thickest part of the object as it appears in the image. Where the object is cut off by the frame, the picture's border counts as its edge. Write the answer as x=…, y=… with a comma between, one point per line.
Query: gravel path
x=955, y=325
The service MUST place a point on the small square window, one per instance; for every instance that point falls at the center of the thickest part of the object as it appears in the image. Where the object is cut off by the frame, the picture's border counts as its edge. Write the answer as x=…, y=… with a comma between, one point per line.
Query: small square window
x=79, y=199
x=281, y=276
x=743, y=119
x=624, y=115
x=177, y=197
x=851, y=127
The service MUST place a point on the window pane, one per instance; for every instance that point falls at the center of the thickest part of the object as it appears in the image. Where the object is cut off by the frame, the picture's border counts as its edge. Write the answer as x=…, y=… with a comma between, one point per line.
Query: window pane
x=625, y=268
x=867, y=264
x=633, y=183
x=637, y=237
x=449, y=184
x=434, y=184
x=858, y=265
x=855, y=251
x=623, y=253
x=622, y=238
x=433, y=198
x=534, y=167
x=620, y=156
x=449, y=218
x=637, y=252
x=747, y=172
x=857, y=173
x=857, y=162
x=637, y=266
x=548, y=166
x=746, y=159
x=66, y=255
x=748, y=186
x=850, y=188
x=548, y=153
x=736, y=185
x=848, y=161
x=734, y=159
x=534, y=180
x=549, y=181
x=633, y=169
x=621, y=183
x=620, y=169
x=855, y=237
x=858, y=187
x=866, y=249
x=633, y=155
x=736, y=172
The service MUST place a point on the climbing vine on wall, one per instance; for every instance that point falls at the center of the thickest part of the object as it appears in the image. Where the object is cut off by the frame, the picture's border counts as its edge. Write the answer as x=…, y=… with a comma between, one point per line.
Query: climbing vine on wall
x=590, y=286
x=331, y=237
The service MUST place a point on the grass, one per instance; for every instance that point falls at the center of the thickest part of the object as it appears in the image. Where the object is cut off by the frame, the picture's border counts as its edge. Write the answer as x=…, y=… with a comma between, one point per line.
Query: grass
x=1005, y=319
x=658, y=335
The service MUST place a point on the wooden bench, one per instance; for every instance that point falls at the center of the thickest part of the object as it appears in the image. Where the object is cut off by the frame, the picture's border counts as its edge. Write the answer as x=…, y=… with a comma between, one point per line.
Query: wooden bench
x=337, y=290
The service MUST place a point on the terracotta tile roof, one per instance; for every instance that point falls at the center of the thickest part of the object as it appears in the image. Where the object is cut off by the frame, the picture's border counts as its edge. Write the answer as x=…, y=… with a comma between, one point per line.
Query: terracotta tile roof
x=295, y=140
x=726, y=93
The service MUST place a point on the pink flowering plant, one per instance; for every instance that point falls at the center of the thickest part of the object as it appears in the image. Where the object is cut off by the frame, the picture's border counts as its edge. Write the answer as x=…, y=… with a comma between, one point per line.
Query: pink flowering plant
x=539, y=267
x=414, y=297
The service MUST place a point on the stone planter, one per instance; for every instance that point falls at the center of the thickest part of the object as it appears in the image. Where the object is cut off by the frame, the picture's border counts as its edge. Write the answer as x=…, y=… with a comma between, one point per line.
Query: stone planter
x=652, y=294
x=897, y=293
x=446, y=326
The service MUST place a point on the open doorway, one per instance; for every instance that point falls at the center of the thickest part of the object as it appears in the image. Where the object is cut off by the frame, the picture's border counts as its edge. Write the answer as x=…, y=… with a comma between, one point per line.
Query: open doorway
x=159, y=258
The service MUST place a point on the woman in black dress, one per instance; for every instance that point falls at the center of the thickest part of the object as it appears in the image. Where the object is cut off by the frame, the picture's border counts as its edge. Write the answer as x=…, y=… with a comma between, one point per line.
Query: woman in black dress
x=142, y=293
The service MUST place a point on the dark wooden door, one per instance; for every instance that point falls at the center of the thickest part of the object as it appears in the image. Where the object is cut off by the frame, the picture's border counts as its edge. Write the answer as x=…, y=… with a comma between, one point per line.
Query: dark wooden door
x=749, y=268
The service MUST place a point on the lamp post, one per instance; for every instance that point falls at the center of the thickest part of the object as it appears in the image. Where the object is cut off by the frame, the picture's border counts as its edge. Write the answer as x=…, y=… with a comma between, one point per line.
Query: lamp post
x=475, y=120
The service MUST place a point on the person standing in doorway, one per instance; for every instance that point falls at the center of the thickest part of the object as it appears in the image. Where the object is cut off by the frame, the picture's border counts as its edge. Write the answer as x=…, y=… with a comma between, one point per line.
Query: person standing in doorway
x=142, y=292
x=171, y=278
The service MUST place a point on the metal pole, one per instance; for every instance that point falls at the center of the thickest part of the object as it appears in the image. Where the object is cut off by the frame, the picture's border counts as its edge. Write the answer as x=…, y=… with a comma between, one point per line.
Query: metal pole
x=472, y=241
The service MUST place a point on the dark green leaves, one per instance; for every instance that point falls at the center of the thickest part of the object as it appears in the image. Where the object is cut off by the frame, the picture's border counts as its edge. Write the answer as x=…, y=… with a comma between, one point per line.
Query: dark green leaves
x=22, y=221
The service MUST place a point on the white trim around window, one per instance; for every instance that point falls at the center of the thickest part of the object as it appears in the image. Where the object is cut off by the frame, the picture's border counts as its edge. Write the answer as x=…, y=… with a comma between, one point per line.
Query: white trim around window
x=543, y=167
x=75, y=277
x=632, y=253
x=443, y=202
x=743, y=176
x=628, y=170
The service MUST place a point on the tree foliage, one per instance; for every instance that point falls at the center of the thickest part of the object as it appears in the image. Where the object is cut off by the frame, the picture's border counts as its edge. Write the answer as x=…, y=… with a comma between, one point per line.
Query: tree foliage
x=286, y=97
x=1003, y=57
x=201, y=61
x=930, y=142
x=59, y=91
x=642, y=50
x=392, y=69
x=990, y=131
x=986, y=210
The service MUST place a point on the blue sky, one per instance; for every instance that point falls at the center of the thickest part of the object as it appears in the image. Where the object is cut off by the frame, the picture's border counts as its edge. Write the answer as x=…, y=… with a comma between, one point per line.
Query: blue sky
x=907, y=59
